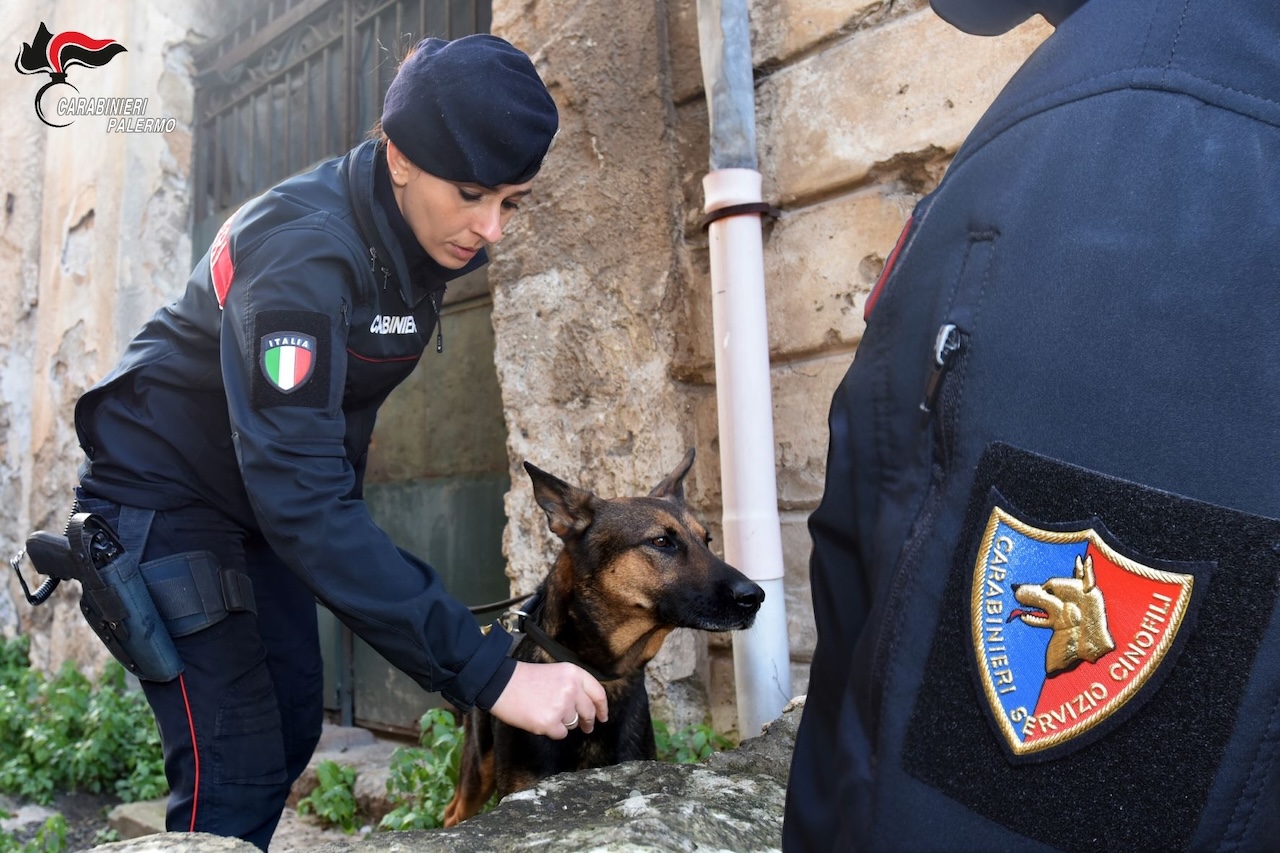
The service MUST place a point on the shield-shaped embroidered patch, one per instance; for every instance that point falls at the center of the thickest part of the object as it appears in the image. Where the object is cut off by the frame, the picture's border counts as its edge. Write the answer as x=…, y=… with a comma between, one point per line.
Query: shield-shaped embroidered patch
x=288, y=359
x=1067, y=630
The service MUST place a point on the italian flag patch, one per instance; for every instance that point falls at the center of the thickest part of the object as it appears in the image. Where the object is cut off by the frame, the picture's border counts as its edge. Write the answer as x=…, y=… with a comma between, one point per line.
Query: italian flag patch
x=288, y=359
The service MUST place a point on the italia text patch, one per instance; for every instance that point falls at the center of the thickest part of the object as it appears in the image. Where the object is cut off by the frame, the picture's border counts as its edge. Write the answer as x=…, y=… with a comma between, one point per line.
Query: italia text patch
x=292, y=359
x=288, y=359
x=1066, y=629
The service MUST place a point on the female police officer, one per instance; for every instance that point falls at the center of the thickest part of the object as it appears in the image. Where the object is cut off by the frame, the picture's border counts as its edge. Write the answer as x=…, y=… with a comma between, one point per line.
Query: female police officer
x=241, y=415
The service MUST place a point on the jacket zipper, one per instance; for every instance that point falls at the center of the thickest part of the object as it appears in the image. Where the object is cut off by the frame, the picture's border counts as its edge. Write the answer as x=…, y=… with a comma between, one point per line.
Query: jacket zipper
x=374, y=266
x=439, y=323
x=945, y=348
x=940, y=403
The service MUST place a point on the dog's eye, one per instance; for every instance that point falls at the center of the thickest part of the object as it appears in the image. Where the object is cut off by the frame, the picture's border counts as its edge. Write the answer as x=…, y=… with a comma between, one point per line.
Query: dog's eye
x=661, y=542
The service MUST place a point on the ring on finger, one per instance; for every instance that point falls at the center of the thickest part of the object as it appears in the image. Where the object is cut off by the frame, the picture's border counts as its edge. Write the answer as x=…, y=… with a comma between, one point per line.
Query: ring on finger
x=572, y=724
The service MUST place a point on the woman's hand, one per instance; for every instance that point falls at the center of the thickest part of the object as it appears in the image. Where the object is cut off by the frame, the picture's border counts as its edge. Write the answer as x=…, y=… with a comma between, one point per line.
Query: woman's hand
x=550, y=699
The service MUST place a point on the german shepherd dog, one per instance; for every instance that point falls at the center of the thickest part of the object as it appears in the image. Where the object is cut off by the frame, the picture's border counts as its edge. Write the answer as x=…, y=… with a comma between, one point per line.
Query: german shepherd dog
x=631, y=571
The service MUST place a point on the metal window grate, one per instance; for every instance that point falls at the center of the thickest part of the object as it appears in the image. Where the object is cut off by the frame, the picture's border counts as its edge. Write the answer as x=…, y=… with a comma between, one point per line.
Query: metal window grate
x=297, y=82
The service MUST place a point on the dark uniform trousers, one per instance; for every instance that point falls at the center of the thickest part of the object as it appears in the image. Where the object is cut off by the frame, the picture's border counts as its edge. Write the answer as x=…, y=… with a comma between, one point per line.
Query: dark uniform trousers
x=242, y=720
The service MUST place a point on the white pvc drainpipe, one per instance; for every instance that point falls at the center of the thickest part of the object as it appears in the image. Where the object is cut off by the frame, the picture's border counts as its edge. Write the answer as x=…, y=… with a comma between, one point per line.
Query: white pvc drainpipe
x=752, y=534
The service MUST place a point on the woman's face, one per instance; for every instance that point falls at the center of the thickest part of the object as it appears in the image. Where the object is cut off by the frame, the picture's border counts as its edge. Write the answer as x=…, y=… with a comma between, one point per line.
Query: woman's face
x=451, y=221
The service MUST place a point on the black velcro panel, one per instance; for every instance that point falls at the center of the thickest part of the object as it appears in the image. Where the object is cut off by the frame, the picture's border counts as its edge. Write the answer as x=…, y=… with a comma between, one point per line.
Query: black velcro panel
x=1142, y=784
x=310, y=331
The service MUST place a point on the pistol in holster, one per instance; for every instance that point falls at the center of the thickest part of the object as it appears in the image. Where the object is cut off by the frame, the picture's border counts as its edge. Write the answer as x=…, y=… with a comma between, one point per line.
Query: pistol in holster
x=114, y=597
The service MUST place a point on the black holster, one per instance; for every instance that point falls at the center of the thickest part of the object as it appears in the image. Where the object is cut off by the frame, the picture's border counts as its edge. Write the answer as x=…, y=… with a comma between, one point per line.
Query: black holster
x=137, y=610
x=114, y=597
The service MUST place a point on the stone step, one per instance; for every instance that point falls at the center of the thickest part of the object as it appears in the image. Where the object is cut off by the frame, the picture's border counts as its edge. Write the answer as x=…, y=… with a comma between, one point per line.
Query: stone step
x=349, y=745
x=134, y=820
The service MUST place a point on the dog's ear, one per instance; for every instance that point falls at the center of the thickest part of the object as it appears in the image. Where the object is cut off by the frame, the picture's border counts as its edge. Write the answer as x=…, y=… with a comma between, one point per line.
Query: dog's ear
x=569, y=509
x=1084, y=573
x=672, y=488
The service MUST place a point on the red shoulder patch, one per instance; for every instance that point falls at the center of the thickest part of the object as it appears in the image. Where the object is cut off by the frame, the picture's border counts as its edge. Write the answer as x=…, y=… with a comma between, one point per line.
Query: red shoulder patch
x=888, y=269
x=220, y=266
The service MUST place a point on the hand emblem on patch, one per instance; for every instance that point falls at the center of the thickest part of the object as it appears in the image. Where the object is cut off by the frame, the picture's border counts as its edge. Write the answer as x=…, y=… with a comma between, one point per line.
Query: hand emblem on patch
x=1066, y=629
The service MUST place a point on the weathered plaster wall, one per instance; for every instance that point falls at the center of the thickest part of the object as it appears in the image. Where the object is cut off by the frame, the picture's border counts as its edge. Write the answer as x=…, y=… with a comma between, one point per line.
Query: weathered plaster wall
x=95, y=237
x=21, y=187
x=602, y=303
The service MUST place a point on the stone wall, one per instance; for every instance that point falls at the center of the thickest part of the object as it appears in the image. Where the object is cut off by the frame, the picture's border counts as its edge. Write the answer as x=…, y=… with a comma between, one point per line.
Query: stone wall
x=95, y=236
x=602, y=303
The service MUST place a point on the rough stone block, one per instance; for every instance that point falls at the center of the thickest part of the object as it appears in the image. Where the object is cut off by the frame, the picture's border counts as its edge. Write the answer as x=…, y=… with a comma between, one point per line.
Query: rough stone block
x=722, y=694
x=820, y=264
x=675, y=679
x=693, y=155
x=179, y=842
x=780, y=29
x=343, y=738
x=685, y=55
x=827, y=121
x=768, y=751
x=23, y=819
x=801, y=394
x=796, y=545
x=801, y=401
x=800, y=677
x=135, y=820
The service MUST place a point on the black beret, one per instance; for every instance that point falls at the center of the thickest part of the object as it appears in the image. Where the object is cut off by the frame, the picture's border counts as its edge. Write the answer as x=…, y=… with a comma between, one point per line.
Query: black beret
x=471, y=110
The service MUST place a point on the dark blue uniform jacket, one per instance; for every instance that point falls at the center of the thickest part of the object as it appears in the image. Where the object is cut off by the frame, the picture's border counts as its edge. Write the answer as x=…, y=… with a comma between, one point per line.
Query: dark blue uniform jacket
x=1047, y=606
x=256, y=394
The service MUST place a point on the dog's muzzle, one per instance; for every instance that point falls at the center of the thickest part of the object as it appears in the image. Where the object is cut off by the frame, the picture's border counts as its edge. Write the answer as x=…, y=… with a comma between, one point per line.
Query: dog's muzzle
x=748, y=595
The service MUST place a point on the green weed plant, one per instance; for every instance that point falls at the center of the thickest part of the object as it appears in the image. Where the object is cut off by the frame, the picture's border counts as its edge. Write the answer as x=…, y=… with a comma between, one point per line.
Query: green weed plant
x=333, y=800
x=51, y=837
x=423, y=778
x=67, y=734
x=419, y=785
x=688, y=745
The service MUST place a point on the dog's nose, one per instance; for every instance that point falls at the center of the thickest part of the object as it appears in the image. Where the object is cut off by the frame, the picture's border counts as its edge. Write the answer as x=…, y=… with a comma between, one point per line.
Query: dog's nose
x=747, y=595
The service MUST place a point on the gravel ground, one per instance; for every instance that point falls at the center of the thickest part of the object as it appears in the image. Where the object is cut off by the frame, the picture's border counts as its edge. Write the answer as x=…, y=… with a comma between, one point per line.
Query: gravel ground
x=85, y=814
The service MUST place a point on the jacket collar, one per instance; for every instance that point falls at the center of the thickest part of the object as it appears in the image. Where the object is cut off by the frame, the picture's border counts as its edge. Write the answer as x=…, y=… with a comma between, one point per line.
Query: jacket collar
x=386, y=257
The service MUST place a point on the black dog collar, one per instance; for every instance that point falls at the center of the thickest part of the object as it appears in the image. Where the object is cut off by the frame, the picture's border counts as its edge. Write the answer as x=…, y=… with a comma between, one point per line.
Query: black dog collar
x=527, y=622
